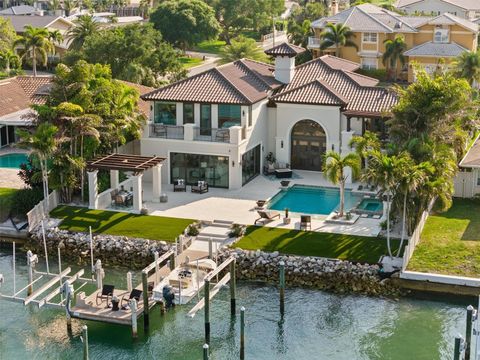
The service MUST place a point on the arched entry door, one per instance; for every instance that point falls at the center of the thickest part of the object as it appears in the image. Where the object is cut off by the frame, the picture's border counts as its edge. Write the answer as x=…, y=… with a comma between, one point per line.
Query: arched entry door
x=308, y=145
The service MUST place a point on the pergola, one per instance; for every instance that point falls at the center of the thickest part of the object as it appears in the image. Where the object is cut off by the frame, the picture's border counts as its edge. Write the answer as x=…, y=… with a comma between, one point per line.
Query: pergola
x=122, y=162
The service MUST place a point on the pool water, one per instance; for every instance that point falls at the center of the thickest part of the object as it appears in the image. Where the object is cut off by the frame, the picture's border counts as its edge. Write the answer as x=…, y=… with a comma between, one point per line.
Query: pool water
x=312, y=199
x=373, y=205
x=13, y=161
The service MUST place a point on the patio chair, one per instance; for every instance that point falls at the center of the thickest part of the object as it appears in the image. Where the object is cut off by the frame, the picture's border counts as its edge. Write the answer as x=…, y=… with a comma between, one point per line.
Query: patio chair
x=200, y=188
x=222, y=135
x=160, y=130
x=179, y=185
x=261, y=204
x=134, y=294
x=113, y=197
x=119, y=200
x=267, y=215
x=305, y=222
x=269, y=169
x=106, y=294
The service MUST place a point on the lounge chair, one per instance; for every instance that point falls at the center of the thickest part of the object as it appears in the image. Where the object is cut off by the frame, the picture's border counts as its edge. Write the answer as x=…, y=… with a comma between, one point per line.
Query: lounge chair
x=305, y=222
x=261, y=204
x=179, y=185
x=106, y=294
x=200, y=188
x=134, y=294
x=268, y=215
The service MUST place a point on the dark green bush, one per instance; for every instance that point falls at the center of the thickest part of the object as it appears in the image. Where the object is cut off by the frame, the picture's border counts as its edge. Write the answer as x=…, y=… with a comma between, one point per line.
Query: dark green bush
x=379, y=74
x=24, y=200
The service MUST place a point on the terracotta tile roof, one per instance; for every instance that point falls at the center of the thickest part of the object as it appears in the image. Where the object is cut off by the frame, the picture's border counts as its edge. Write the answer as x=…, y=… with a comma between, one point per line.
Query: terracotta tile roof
x=143, y=105
x=339, y=63
x=472, y=157
x=285, y=49
x=20, y=92
x=240, y=82
x=316, y=92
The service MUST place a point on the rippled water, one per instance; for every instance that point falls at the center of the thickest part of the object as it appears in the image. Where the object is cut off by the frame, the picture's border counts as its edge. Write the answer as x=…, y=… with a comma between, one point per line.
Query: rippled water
x=317, y=325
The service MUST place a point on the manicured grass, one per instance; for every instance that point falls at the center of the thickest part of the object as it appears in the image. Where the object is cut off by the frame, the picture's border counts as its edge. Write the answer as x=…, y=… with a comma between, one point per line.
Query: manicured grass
x=310, y=243
x=6, y=195
x=210, y=46
x=189, y=62
x=450, y=241
x=120, y=223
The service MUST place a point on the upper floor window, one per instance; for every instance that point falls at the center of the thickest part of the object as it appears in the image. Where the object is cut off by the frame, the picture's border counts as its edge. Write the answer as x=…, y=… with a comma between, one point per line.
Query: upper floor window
x=440, y=35
x=370, y=37
x=229, y=115
x=188, y=113
x=165, y=113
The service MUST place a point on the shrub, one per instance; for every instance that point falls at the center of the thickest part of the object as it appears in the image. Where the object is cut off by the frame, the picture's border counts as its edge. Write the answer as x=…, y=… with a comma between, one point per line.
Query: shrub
x=192, y=230
x=379, y=74
x=24, y=200
x=236, y=231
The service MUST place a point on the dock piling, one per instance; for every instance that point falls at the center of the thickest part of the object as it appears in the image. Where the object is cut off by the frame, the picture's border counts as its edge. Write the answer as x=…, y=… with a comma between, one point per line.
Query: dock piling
x=146, y=307
x=207, y=311
x=157, y=280
x=129, y=282
x=210, y=249
x=85, y=342
x=32, y=260
x=457, y=348
x=133, y=308
x=468, y=334
x=99, y=274
x=205, y=352
x=242, y=333
x=172, y=261
x=14, y=271
x=233, y=289
x=282, y=287
x=91, y=250
x=45, y=247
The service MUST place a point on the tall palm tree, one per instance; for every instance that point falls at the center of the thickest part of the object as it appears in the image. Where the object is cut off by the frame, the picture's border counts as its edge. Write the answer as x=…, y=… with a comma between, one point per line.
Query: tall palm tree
x=84, y=27
x=69, y=5
x=9, y=59
x=55, y=38
x=240, y=48
x=394, y=50
x=365, y=144
x=337, y=35
x=43, y=143
x=54, y=5
x=35, y=45
x=467, y=65
x=334, y=170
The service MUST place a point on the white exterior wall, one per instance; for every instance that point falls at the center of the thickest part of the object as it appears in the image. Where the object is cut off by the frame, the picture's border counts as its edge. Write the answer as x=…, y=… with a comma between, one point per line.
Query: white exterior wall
x=435, y=6
x=466, y=183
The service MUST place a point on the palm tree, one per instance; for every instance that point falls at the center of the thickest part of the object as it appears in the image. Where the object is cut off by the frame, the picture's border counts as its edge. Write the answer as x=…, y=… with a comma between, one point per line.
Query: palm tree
x=467, y=66
x=35, y=45
x=298, y=34
x=69, y=5
x=55, y=38
x=43, y=143
x=365, y=144
x=84, y=27
x=54, y=5
x=240, y=48
x=394, y=50
x=7, y=59
x=334, y=167
x=337, y=35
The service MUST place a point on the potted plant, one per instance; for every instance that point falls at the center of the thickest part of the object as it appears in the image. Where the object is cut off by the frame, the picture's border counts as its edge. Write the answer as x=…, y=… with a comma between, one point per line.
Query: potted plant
x=286, y=219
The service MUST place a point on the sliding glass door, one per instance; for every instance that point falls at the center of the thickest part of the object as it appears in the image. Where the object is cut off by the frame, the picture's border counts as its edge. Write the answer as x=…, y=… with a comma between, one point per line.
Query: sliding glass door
x=250, y=164
x=205, y=119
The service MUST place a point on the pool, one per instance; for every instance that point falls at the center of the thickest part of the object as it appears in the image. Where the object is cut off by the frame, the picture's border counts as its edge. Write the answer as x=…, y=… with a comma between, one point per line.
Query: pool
x=312, y=199
x=13, y=161
x=370, y=205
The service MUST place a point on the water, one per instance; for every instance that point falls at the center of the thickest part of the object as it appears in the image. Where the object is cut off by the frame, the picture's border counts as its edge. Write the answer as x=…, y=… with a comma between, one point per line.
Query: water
x=317, y=325
x=312, y=199
x=12, y=161
x=371, y=205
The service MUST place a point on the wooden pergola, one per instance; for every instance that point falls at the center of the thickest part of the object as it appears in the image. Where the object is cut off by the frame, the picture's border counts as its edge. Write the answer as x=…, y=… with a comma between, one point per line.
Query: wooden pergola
x=114, y=163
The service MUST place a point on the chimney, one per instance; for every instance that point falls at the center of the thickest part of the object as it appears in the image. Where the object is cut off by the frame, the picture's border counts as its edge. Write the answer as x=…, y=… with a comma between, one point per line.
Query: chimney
x=334, y=7
x=284, y=68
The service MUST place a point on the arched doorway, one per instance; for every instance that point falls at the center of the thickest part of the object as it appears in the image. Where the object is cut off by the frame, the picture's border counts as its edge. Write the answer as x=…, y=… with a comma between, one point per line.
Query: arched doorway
x=308, y=145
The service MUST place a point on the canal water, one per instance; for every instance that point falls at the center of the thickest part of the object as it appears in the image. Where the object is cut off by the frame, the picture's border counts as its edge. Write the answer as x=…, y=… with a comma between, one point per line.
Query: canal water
x=317, y=325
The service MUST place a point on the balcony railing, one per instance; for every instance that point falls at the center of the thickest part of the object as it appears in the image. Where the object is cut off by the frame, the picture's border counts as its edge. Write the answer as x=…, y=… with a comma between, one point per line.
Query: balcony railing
x=209, y=134
x=313, y=43
x=166, y=131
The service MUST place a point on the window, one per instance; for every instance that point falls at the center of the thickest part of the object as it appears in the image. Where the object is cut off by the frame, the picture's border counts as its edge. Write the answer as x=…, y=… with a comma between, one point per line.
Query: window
x=188, y=117
x=370, y=37
x=478, y=177
x=440, y=36
x=251, y=164
x=165, y=113
x=369, y=63
x=229, y=115
x=205, y=119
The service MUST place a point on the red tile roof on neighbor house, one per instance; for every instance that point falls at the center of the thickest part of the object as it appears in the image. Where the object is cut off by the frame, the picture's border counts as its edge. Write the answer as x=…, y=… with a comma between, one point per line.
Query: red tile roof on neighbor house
x=18, y=93
x=285, y=49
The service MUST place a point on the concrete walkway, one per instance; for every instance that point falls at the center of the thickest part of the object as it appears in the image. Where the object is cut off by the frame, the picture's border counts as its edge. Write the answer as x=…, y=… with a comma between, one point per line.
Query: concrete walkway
x=209, y=63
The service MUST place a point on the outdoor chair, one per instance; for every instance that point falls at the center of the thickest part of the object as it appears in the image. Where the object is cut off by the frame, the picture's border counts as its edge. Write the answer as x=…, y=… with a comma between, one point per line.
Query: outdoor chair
x=261, y=204
x=222, y=135
x=106, y=294
x=160, y=130
x=305, y=222
x=200, y=188
x=267, y=215
x=179, y=185
x=113, y=197
x=134, y=294
x=119, y=200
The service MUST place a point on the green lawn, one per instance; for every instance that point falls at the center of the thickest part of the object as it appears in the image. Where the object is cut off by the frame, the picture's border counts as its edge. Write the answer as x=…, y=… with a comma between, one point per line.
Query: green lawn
x=120, y=223
x=210, y=46
x=189, y=62
x=310, y=243
x=6, y=195
x=450, y=241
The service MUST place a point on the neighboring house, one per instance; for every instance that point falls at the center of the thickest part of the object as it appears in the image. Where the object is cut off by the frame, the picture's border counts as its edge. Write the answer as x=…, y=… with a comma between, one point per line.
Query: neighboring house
x=20, y=10
x=466, y=9
x=467, y=181
x=220, y=125
x=430, y=40
x=48, y=22
x=16, y=96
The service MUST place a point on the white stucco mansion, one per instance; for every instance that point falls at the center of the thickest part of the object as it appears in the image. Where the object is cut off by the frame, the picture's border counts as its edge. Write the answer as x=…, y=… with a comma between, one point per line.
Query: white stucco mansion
x=220, y=125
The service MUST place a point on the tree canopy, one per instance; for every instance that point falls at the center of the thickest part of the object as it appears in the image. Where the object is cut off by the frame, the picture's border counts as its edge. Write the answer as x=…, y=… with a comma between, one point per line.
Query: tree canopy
x=7, y=35
x=240, y=48
x=185, y=23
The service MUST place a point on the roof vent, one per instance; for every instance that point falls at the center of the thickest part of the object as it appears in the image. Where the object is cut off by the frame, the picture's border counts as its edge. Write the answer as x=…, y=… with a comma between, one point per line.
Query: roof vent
x=398, y=25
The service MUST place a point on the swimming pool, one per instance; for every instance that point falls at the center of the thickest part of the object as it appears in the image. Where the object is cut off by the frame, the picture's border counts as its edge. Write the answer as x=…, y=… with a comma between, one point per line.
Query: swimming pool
x=13, y=161
x=312, y=199
x=371, y=205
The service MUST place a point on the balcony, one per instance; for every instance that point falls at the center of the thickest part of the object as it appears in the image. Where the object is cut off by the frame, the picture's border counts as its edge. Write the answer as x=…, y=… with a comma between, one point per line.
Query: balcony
x=313, y=42
x=166, y=131
x=214, y=135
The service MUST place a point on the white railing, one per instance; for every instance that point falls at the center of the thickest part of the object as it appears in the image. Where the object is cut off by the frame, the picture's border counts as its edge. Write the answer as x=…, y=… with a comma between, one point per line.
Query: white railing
x=39, y=211
x=415, y=238
x=313, y=42
x=269, y=37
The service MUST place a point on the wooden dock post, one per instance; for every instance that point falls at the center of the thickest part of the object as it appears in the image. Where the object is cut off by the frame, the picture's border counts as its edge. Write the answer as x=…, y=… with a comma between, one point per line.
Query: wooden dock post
x=207, y=311
x=210, y=249
x=242, y=333
x=146, y=319
x=133, y=308
x=205, y=352
x=155, y=254
x=233, y=289
x=85, y=342
x=456, y=351
x=468, y=335
x=282, y=287
x=172, y=261
x=99, y=273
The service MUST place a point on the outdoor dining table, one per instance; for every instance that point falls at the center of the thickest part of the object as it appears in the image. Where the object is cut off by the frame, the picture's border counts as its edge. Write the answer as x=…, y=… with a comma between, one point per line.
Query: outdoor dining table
x=125, y=195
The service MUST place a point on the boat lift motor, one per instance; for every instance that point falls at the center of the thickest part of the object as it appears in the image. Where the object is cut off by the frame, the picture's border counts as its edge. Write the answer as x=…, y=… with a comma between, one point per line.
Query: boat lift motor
x=169, y=296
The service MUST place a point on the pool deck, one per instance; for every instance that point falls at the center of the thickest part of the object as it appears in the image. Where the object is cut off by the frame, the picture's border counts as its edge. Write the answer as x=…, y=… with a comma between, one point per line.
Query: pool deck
x=239, y=205
x=9, y=177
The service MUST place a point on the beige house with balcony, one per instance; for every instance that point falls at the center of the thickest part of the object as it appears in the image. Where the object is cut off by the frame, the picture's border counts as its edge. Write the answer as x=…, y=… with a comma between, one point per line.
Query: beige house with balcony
x=431, y=41
x=466, y=9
